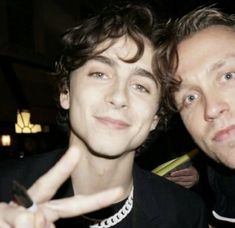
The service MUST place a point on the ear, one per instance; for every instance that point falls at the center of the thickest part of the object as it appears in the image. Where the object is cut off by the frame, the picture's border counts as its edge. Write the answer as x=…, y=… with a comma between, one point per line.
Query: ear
x=65, y=100
x=154, y=122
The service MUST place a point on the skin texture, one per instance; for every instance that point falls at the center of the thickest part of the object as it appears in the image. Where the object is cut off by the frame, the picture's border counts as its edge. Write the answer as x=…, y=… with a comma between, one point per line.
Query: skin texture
x=206, y=96
x=118, y=93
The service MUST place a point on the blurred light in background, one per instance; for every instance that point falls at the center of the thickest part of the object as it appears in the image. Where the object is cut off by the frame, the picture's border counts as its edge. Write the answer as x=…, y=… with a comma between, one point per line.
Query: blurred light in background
x=5, y=140
x=23, y=124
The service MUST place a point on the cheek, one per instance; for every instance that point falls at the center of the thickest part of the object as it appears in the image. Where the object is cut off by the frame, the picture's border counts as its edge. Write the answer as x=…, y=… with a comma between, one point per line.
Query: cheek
x=146, y=107
x=145, y=120
x=78, y=106
x=145, y=113
x=192, y=124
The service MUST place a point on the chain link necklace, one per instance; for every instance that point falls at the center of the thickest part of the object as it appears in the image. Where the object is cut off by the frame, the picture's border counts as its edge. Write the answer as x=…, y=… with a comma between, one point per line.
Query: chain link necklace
x=117, y=217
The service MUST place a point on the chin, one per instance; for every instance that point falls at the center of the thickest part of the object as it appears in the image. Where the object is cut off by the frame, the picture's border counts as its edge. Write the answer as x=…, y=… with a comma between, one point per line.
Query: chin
x=227, y=160
x=105, y=152
x=229, y=163
x=227, y=157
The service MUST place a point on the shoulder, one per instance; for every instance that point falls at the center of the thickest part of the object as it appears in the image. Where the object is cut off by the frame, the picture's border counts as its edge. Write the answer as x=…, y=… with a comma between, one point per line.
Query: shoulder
x=25, y=170
x=172, y=202
x=167, y=188
x=222, y=183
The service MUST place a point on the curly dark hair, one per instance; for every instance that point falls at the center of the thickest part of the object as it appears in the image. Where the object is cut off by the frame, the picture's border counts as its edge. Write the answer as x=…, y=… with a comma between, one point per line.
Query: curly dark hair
x=168, y=38
x=80, y=43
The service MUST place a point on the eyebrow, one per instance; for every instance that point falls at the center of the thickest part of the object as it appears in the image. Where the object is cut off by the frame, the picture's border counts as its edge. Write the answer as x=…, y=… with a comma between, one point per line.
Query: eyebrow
x=144, y=73
x=138, y=71
x=221, y=63
x=104, y=60
x=215, y=66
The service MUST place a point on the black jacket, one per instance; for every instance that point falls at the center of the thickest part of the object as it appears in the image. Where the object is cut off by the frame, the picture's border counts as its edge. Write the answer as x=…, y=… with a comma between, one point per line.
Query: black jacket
x=158, y=203
x=222, y=183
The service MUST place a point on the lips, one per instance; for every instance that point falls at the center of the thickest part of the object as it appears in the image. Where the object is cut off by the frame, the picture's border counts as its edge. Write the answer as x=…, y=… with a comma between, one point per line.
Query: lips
x=224, y=134
x=113, y=123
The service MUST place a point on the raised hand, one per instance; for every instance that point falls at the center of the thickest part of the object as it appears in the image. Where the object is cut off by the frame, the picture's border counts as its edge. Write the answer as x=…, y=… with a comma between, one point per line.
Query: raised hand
x=12, y=215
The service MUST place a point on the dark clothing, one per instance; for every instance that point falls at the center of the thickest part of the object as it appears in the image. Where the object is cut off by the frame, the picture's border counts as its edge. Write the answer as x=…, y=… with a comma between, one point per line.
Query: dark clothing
x=158, y=203
x=222, y=183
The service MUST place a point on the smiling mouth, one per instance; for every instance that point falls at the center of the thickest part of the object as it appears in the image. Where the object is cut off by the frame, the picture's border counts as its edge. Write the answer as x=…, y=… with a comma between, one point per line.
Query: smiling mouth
x=113, y=123
x=224, y=134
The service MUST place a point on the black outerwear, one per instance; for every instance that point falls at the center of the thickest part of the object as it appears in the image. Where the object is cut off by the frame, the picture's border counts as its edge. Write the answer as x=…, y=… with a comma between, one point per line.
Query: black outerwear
x=158, y=203
x=222, y=183
x=222, y=192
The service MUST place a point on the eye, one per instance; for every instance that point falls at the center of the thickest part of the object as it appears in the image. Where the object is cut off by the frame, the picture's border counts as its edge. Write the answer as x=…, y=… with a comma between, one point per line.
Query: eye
x=141, y=88
x=98, y=75
x=190, y=99
x=228, y=76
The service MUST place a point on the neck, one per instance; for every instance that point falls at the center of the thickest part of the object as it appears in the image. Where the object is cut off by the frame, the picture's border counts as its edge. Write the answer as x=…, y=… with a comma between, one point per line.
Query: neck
x=94, y=174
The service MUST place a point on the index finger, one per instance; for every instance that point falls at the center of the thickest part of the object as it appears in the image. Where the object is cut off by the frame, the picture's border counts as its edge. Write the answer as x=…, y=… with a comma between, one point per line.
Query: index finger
x=46, y=186
x=182, y=172
x=80, y=204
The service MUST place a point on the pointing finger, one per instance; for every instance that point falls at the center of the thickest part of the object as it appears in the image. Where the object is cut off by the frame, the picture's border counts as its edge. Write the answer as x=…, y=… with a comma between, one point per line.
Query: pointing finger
x=80, y=204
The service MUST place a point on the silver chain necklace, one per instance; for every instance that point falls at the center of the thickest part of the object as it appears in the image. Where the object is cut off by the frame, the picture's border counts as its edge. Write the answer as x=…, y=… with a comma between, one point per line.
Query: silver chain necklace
x=117, y=217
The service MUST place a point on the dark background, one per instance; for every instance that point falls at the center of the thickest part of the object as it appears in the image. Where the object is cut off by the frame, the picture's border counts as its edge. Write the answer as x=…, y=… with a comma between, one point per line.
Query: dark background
x=29, y=40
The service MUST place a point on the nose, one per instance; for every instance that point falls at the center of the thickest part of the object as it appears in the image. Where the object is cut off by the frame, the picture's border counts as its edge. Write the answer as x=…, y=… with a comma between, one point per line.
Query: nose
x=215, y=107
x=117, y=96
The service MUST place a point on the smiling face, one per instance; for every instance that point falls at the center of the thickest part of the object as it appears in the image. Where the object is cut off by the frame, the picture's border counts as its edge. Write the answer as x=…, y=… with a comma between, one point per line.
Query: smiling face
x=112, y=104
x=206, y=98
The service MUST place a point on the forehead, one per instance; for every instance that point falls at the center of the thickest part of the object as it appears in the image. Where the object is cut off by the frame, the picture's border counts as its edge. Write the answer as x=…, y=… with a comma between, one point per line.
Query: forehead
x=205, y=48
x=124, y=48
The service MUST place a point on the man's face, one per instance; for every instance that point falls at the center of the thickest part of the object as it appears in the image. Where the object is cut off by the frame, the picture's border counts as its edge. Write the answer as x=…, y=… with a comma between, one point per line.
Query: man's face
x=206, y=98
x=112, y=104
